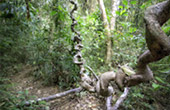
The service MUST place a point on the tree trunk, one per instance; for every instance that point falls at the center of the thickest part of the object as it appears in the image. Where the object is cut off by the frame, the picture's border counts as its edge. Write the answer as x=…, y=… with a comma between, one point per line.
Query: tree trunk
x=108, y=29
x=28, y=9
x=115, y=7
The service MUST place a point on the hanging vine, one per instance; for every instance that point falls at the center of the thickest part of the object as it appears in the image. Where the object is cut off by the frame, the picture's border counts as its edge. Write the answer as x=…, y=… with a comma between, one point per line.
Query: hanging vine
x=77, y=40
x=86, y=81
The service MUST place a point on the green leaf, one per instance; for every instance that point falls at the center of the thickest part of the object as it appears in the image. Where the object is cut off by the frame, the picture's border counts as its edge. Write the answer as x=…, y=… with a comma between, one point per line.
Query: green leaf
x=126, y=14
x=123, y=12
x=121, y=7
x=42, y=102
x=143, y=6
x=118, y=12
x=133, y=2
x=26, y=92
x=60, y=8
x=166, y=29
x=125, y=2
x=155, y=86
x=159, y=79
x=37, y=10
x=131, y=29
x=53, y=13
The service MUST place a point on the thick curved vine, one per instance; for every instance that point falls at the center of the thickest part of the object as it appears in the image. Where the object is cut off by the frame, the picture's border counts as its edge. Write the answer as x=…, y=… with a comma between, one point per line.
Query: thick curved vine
x=86, y=81
x=78, y=59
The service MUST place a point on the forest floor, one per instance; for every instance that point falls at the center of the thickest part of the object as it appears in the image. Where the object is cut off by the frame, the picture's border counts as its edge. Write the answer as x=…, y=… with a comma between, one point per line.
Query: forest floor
x=82, y=101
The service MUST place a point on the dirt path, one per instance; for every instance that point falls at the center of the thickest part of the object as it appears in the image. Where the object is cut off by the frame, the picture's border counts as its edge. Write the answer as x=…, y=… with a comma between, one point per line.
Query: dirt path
x=81, y=101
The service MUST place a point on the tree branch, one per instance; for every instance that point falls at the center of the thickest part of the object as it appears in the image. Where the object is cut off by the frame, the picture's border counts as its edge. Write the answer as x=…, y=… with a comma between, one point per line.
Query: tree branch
x=88, y=67
x=52, y=97
x=118, y=102
x=28, y=9
x=108, y=102
x=121, y=99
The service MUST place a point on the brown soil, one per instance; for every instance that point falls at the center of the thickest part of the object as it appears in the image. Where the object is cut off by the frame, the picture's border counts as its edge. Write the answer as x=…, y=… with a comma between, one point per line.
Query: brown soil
x=80, y=101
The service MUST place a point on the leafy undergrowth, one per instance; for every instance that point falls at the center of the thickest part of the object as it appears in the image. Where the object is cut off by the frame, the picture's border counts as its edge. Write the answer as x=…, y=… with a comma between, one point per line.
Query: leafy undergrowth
x=144, y=97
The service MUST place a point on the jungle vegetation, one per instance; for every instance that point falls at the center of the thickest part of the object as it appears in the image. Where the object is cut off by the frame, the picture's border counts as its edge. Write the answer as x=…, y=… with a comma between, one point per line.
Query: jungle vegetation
x=37, y=33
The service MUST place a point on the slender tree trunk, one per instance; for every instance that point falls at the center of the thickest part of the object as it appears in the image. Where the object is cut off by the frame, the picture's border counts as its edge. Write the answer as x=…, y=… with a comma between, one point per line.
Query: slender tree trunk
x=115, y=7
x=28, y=9
x=108, y=28
x=107, y=31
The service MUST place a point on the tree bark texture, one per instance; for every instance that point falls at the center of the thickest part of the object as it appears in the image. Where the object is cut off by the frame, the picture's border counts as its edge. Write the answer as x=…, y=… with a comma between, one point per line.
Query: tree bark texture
x=28, y=9
x=107, y=31
x=115, y=7
x=157, y=41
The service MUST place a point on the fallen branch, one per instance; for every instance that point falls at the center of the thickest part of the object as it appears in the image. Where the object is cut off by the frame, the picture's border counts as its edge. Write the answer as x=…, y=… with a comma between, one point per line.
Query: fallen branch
x=52, y=97
x=121, y=99
x=118, y=102
x=108, y=102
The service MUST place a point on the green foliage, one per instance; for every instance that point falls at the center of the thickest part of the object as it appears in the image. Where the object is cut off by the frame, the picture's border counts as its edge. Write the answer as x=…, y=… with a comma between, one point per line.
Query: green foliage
x=139, y=99
x=155, y=86
x=147, y=96
x=166, y=28
x=51, y=48
x=13, y=36
x=93, y=40
x=15, y=101
x=125, y=2
x=126, y=35
x=133, y=2
x=45, y=41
